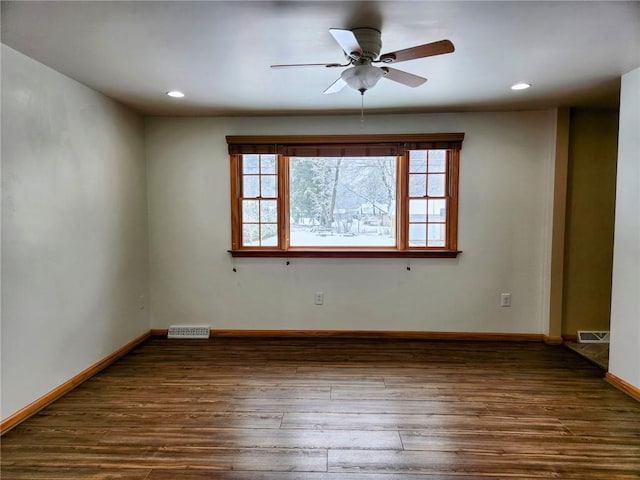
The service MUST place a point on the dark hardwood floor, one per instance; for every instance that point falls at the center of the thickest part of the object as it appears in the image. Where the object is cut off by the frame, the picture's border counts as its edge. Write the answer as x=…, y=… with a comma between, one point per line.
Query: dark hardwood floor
x=334, y=409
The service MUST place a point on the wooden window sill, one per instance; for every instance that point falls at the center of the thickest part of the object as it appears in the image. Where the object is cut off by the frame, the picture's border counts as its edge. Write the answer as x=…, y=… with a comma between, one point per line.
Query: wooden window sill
x=344, y=253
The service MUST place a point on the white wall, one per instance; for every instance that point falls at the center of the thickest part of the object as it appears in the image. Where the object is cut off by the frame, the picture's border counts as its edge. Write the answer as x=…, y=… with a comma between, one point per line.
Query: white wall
x=74, y=229
x=504, y=230
x=624, y=356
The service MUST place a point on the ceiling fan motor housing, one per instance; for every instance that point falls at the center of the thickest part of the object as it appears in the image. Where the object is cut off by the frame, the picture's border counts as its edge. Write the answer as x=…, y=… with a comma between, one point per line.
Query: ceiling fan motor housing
x=370, y=41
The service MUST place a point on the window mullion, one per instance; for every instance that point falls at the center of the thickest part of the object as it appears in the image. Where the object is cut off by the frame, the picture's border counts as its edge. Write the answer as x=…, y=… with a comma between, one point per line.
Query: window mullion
x=283, y=202
x=402, y=204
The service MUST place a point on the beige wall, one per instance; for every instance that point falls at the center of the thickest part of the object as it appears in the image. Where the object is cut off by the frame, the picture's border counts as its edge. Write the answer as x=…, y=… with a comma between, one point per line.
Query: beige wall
x=506, y=191
x=74, y=229
x=589, y=221
x=624, y=357
x=556, y=273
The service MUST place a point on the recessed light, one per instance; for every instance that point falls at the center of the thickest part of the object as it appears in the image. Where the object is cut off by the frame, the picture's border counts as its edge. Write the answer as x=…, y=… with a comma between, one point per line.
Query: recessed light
x=520, y=86
x=175, y=94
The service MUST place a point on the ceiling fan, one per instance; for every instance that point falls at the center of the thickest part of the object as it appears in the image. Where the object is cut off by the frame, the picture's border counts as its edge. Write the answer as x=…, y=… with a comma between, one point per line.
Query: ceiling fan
x=361, y=47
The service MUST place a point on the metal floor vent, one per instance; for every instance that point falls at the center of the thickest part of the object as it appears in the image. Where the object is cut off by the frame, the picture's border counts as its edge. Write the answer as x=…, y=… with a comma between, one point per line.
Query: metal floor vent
x=592, y=336
x=188, y=331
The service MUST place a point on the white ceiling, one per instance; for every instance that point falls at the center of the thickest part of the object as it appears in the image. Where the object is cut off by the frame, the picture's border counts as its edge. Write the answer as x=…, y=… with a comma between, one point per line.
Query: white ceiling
x=218, y=53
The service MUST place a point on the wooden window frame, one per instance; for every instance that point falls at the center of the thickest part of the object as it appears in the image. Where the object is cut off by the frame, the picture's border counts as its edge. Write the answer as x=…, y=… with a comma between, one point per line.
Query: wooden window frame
x=345, y=146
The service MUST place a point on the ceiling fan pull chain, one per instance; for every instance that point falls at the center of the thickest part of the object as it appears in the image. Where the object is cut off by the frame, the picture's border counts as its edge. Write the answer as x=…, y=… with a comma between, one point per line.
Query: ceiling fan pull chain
x=362, y=109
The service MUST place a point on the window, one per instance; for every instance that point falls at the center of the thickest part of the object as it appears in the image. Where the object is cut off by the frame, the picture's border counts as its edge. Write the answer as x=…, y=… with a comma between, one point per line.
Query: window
x=259, y=200
x=342, y=202
x=427, y=198
x=345, y=196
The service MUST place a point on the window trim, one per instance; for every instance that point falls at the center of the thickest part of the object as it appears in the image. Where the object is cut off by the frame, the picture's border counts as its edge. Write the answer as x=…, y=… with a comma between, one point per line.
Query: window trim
x=345, y=145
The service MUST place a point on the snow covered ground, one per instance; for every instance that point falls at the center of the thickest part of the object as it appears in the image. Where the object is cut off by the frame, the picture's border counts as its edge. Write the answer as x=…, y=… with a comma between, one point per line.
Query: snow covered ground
x=370, y=238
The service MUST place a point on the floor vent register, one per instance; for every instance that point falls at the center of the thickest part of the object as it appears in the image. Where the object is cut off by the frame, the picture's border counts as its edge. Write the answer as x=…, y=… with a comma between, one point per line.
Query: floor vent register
x=188, y=331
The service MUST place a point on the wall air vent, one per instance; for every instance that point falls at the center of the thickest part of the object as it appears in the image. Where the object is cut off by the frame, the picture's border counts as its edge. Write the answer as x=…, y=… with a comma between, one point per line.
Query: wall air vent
x=592, y=336
x=188, y=331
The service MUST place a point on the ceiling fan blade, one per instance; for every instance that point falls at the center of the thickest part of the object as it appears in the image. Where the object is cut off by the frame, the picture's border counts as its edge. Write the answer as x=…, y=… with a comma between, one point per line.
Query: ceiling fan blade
x=347, y=41
x=299, y=65
x=336, y=86
x=421, y=51
x=408, y=79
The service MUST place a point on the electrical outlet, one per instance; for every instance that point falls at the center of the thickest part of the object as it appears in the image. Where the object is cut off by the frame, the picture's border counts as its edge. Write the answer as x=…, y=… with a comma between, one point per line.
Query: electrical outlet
x=319, y=298
x=505, y=300
x=141, y=304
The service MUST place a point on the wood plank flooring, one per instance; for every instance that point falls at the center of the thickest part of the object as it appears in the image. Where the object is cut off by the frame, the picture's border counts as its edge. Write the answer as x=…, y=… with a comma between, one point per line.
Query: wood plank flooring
x=334, y=409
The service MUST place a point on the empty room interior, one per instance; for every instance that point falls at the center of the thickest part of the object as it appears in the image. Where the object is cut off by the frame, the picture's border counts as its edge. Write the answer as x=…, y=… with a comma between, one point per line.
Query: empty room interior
x=348, y=240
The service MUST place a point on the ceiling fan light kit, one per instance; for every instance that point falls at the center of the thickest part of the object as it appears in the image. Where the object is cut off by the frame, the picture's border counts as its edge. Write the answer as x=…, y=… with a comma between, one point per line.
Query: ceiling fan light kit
x=361, y=48
x=362, y=77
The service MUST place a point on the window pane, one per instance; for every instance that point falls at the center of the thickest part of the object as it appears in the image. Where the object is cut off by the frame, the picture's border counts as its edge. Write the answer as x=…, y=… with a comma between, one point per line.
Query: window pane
x=259, y=217
x=250, y=163
x=269, y=186
x=250, y=186
x=417, y=235
x=436, y=185
x=268, y=164
x=342, y=202
x=250, y=235
x=268, y=211
x=417, y=185
x=269, y=235
x=437, y=210
x=250, y=211
x=436, y=235
x=417, y=161
x=437, y=160
x=417, y=210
